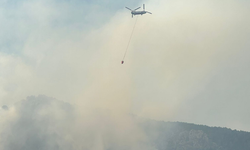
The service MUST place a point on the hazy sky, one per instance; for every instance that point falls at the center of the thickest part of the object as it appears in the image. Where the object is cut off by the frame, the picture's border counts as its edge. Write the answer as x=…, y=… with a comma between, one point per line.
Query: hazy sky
x=188, y=61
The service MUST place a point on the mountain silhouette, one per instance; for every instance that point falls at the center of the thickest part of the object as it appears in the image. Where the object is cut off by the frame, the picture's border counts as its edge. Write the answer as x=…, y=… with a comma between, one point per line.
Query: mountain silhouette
x=186, y=136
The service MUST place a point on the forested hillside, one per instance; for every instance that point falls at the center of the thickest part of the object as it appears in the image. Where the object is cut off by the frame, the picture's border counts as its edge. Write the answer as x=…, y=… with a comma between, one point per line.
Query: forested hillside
x=185, y=136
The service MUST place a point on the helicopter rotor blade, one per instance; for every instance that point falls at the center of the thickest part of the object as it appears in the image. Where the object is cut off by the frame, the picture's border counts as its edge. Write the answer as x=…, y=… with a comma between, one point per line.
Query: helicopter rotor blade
x=137, y=8
x=149, y=12
x=128, y=8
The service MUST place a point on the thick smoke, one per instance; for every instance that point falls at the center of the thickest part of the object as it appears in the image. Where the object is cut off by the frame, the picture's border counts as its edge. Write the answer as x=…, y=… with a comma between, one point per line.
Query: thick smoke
x=38, y=123
x=44, y=123
x=184, y=64
x=4, y=107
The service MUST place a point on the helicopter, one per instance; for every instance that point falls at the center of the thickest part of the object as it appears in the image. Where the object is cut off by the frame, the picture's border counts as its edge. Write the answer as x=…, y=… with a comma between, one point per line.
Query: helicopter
x=134, y=12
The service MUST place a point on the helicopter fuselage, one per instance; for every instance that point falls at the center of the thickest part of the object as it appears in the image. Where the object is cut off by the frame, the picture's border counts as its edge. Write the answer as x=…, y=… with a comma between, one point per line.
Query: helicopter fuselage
x=138, y=12
x=135, y=12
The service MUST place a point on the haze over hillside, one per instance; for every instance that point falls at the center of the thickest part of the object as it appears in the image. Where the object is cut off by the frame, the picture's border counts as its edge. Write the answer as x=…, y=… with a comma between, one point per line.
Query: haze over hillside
x=187, y=57
x=44, y=123
x=186, y=136
x=62, y=84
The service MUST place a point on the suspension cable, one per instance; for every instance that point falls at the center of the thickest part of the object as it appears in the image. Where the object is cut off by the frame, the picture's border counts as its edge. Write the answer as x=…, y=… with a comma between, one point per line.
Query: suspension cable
x=129, y=41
